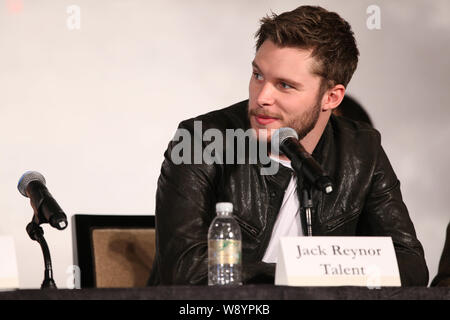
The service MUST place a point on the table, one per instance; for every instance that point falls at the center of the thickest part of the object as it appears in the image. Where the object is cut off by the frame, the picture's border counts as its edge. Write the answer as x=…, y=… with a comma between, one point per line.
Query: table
x=247, y=292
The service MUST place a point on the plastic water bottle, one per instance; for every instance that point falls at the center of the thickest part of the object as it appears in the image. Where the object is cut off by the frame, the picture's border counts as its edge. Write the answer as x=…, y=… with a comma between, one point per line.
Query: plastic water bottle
x=224, y=248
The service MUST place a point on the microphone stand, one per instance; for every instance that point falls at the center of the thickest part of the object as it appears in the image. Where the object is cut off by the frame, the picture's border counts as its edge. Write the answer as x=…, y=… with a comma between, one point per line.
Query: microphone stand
x=307, y=205
x=37, y=233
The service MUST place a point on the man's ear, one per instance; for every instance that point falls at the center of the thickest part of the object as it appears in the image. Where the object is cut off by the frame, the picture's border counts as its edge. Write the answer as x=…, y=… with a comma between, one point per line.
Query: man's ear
x=333, y=97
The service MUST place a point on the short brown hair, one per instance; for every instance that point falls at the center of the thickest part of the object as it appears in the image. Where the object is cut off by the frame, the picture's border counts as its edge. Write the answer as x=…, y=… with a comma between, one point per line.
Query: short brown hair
x=328, y=35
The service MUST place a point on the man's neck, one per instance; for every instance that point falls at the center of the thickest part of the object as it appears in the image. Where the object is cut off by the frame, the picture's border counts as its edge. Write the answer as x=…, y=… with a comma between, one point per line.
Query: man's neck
x=310, y=141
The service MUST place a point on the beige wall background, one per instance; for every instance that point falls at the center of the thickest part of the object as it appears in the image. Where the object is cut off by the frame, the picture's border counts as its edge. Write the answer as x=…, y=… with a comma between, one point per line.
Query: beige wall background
x=93, y=108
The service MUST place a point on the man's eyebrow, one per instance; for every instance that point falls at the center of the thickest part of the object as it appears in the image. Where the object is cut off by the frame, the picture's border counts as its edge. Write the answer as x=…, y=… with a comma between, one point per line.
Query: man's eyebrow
x=255, y=65
x=294, y=83
x=288, y=81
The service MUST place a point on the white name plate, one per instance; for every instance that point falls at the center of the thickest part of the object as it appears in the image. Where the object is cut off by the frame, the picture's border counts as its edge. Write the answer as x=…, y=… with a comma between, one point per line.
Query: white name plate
x=337, y=261
x=9, y=278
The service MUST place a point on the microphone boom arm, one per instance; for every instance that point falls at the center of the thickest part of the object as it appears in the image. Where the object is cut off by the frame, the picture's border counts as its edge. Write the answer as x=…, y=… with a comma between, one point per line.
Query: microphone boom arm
x=37, y=233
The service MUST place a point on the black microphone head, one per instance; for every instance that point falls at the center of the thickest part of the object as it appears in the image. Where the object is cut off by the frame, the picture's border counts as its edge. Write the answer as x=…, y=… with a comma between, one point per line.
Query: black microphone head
x=279, y=136
x=26, y=178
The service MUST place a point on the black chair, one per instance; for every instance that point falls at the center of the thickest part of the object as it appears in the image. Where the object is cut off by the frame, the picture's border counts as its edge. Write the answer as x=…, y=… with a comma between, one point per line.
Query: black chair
x=113, y=250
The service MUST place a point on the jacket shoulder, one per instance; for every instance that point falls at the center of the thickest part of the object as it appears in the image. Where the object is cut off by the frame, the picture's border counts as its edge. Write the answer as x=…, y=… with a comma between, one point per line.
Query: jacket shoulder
x=354, y=129
x=355, y=135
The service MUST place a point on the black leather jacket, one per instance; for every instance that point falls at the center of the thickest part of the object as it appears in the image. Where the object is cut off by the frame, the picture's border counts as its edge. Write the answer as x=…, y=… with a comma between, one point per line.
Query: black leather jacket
x=366, y=202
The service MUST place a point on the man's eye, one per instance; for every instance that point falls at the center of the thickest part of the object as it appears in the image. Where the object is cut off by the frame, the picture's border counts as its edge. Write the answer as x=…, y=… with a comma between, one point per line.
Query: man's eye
x=285, y=85
x=257, y=76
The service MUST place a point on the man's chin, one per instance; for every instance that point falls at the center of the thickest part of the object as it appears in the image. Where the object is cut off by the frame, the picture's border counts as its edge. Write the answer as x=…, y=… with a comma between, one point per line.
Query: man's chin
x=264, y=134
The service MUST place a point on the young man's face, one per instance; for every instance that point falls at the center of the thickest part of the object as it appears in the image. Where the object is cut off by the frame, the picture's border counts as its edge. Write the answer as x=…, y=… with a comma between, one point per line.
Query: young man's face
x=283, y=92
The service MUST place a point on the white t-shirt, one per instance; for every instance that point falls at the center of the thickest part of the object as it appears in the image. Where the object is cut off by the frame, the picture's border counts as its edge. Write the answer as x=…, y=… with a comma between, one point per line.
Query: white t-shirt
x=288, y=221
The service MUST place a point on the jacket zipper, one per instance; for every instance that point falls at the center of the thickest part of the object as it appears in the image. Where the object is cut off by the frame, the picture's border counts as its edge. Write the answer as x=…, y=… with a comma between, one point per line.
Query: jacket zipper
x=252, y=230
x=339, y=221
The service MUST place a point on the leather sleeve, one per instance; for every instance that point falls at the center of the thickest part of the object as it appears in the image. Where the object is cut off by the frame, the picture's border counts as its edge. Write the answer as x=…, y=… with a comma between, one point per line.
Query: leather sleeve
x=385, y=214
x=184, y=210
x=443, y=276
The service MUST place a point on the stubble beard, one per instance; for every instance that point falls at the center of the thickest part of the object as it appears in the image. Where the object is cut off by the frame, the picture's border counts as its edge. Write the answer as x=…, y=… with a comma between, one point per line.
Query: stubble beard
x=305, y=124
x=302, y=125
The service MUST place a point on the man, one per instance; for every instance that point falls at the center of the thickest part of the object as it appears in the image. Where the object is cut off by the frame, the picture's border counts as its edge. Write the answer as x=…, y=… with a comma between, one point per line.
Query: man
x=303, y=63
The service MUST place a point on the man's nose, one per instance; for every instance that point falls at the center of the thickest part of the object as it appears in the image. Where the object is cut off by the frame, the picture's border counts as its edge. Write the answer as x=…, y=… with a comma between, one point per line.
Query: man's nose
x=266, y=95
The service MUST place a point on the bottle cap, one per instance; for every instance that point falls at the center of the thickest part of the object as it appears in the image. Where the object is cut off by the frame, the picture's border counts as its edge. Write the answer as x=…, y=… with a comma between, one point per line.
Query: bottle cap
x=224, y=206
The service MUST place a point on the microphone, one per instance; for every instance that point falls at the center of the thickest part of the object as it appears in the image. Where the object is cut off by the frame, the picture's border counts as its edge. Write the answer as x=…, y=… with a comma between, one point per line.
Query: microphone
x=285, y=141
x=46, y=209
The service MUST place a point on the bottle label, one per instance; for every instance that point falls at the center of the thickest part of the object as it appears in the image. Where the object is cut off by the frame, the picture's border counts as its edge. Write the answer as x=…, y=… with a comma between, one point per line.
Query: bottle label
x=224, y=251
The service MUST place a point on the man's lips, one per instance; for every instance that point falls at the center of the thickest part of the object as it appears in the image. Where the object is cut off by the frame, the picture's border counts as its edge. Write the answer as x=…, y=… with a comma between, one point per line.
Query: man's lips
x=264, y=120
